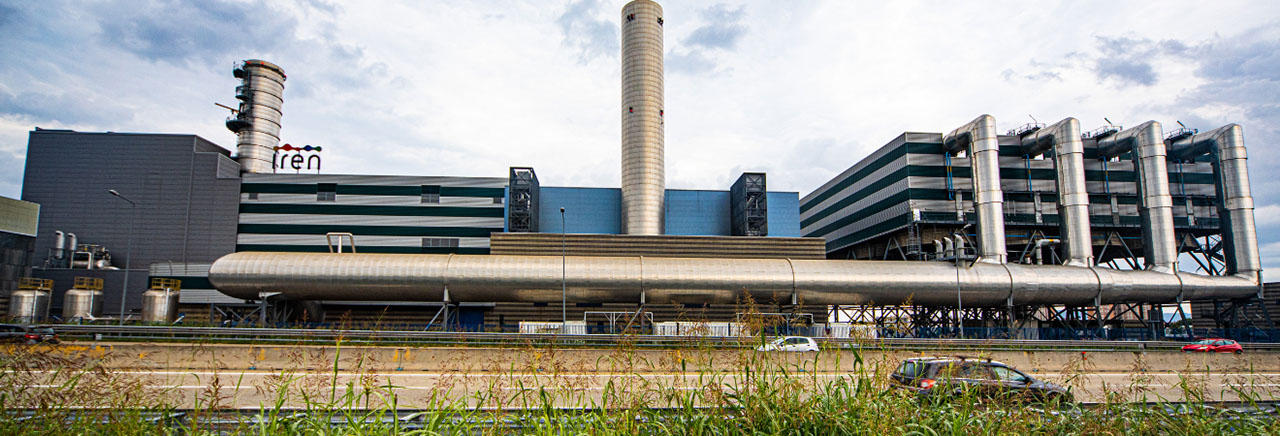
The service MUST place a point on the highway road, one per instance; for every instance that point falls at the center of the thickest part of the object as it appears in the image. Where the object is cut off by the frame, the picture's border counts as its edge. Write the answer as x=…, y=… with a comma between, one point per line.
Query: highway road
x=413, y=390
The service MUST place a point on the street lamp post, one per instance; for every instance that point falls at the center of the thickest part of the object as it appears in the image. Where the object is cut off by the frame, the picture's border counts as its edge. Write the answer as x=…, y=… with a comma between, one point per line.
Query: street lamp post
x=128, y=253
x=564, y=305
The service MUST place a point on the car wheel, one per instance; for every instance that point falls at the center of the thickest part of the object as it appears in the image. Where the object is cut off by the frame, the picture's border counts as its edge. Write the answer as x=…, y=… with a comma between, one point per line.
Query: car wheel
x=1238, y=351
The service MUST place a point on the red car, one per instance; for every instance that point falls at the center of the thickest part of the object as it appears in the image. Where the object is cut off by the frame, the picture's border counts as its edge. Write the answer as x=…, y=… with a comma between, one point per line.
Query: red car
x=1214, y=346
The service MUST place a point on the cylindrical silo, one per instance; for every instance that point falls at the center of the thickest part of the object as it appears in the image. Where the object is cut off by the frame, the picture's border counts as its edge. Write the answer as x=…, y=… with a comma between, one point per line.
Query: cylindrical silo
x=84, y=301
x=160, y=303
x=643, y=176
x=257, y=122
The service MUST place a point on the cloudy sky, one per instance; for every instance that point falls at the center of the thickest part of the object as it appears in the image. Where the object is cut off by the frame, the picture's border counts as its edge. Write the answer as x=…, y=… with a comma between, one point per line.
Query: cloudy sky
x=800, y=89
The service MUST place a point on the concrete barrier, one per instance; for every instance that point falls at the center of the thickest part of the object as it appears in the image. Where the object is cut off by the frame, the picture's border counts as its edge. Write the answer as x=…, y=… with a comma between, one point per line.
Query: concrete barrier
x=213, y=357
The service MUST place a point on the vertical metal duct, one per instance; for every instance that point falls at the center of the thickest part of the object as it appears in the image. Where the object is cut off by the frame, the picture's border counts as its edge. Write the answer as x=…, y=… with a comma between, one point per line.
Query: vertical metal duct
x=1073, y=197
x=257, y=122
x=643, y=175
x=984, y=157
x=1146, y=142
x=1235, y=204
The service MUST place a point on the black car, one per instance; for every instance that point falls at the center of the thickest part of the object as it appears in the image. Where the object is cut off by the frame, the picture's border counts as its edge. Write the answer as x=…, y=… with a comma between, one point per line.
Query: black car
x=27, y=334
x=981, y=377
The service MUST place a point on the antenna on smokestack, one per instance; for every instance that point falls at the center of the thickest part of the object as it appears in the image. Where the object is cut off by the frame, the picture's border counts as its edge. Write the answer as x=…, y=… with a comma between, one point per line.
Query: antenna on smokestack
x=233, y=110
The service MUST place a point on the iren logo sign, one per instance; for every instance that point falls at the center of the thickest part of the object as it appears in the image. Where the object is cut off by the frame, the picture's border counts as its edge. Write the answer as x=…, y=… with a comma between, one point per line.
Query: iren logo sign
x=289, y=156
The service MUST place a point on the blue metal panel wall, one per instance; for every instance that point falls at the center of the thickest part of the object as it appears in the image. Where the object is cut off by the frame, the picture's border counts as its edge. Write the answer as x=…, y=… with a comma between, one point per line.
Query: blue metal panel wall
x=784, y=214
x=698, y=213
x=587, y=210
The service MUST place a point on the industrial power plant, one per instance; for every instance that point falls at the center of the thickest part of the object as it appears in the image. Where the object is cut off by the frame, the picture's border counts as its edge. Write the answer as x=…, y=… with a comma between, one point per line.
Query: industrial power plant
x=1047, y=227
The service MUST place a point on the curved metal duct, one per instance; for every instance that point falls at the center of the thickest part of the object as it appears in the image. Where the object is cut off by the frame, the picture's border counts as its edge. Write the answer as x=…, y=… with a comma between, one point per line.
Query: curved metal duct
x=979, y=136
x=1073, y=197
x=425, y=277
x=1146, y=142
x=1235, y=203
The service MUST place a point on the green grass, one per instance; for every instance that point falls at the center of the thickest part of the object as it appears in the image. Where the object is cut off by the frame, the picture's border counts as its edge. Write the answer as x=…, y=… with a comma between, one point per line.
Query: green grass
x=767, y=394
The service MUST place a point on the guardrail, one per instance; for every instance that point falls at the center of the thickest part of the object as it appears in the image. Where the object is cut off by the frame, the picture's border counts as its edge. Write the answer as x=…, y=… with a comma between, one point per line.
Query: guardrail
x=482, y=338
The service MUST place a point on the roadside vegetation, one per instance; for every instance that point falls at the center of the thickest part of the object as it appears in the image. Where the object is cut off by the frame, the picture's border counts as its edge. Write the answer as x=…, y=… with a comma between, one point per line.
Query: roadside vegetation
x=47, y=390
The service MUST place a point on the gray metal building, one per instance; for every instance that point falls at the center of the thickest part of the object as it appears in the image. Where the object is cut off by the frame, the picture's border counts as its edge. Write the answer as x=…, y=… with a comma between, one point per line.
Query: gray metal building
x=186, y=190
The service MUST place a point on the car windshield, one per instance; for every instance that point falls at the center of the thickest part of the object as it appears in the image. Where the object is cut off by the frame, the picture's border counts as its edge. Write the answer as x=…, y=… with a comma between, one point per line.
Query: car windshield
x=42, y=330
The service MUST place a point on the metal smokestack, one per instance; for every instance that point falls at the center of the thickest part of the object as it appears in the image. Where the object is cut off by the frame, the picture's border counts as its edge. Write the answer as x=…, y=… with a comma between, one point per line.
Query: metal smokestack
x=643, y=175
x=257, y=121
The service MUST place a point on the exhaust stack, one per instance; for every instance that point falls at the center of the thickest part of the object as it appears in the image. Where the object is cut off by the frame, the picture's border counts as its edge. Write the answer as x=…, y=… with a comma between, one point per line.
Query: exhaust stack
x=257, y=121
x=979, y=136
x=644, y=182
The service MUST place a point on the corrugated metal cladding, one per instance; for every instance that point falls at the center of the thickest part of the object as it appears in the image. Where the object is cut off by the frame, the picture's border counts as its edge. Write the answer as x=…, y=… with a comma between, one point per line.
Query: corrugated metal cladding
x=20, y=217
x=186, y=203
x=18, y=221
x=196, y=288
x=689, y=212
x=387, y=214
x=16, y=257
x=876, y=196
x=735, y=247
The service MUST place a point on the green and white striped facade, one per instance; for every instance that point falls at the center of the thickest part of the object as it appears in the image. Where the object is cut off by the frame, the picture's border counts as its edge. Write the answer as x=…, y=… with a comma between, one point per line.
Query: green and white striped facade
x=910, y=179
x=387, y=214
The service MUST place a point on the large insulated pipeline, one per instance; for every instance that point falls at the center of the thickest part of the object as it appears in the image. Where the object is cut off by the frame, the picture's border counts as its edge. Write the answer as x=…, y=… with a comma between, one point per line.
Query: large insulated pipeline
x=979, y=137
x=537, y=279
x=1073, y=197
x=1146, y=142
x=1235, y=204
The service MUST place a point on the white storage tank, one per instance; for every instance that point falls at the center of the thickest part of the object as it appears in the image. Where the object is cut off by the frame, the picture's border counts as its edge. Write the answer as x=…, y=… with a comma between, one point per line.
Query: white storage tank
x=160, y=303
x=30, y=303
x=84, y=301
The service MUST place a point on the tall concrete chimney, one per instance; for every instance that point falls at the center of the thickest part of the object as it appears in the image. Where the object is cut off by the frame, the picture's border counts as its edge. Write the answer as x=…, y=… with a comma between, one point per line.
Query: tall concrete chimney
x=644, y=180
x=257, y=121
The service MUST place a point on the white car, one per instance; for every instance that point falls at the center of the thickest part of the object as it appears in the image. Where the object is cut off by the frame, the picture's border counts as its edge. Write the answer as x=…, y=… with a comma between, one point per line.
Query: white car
x=790, y=343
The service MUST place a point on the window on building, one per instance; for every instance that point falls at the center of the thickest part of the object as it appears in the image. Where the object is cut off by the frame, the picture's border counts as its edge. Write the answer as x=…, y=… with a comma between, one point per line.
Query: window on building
x=327, y=192
x=430, y=194
x=497, y=200
x=439, y=242
x=253, y=195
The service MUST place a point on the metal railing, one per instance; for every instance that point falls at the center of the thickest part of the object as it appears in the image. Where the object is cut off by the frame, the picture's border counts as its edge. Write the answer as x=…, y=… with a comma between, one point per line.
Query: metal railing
x=267, y=335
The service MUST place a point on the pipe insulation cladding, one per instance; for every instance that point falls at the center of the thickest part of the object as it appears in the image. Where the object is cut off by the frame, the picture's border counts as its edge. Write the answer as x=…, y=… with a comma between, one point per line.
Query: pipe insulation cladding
x=1073, y=197
x=1235, y=203
x=643, y=174
x=979, y=136
x=1155, y=204
x=537, y=279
